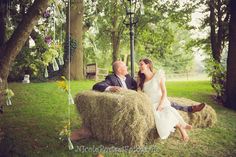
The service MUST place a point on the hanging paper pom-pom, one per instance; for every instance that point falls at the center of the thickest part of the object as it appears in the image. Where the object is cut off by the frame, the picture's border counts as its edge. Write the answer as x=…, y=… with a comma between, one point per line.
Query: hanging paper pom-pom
x=61, y=60
x=55, y=65
x=70, y=99
x=70, y=145
x=46, y=72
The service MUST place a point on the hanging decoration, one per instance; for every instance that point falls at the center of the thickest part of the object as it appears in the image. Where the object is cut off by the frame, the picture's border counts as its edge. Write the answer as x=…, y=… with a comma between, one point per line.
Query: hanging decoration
x=65, y=132
x=55, y=65
x=46, y=72
x=70, y=99
x=9, y=95
x=53, y=18
x=70, y=145
x=63, y=84
x=61, y=60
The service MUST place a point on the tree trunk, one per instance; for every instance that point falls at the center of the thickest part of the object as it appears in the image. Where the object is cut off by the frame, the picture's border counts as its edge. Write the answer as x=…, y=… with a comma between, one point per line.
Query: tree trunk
x=13, y=46
x=231, y=64
x=115, y=32
x=2, y=25
x=216, y=38
x=115, y=45
x=76, y=70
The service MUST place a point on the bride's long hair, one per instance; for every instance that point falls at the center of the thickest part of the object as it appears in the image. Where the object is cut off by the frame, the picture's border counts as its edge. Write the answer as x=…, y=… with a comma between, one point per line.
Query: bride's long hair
x=141, y=76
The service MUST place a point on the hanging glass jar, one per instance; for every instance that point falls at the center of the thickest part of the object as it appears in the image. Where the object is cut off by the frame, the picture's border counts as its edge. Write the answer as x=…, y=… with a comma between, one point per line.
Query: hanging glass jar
x=61, y=60
x=46, y=72
x=70, y=99
x=55, y=65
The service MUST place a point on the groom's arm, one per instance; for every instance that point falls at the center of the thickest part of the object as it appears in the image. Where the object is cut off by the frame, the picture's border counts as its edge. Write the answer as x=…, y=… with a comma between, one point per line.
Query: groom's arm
x=101, y=86
x=132, y=82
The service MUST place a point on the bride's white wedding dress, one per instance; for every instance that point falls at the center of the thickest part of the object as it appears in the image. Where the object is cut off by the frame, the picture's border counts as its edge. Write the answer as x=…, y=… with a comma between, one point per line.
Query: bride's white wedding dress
x=169, y=117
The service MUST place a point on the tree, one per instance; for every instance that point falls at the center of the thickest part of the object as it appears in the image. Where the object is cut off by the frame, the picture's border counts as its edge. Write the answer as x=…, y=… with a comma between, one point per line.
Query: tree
x=3, y=13
x=76, y=35
x=110, y=24
x=218, y=24
x=216, y=43
x=10, y=49
x=231, y=64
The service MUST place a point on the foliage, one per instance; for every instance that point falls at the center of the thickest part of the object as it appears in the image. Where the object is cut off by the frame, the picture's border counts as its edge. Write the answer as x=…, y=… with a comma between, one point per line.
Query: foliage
x=53, y=52
x=32, y=60
x=218, y=74
x=28, y=62
x=155, y=33
x=9, y=93
x=167, y=45
x=214, y=45
x=70, y=46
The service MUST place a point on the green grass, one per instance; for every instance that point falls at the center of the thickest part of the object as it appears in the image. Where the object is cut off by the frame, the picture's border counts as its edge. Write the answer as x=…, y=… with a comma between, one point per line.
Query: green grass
x=39, y=111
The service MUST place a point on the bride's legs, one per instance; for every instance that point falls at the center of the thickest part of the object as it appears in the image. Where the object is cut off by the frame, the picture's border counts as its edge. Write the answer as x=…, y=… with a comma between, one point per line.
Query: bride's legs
x=183, y=132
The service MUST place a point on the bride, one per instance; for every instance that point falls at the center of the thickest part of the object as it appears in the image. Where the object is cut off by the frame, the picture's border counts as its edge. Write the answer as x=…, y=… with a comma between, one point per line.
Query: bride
x=166, y=117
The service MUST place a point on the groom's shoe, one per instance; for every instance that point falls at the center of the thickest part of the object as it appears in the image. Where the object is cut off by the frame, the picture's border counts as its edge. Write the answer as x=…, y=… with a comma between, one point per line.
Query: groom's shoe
x=197, y=108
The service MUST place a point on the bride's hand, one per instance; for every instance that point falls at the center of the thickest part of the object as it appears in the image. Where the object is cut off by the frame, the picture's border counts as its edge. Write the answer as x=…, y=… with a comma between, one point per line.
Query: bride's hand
x=159, y=108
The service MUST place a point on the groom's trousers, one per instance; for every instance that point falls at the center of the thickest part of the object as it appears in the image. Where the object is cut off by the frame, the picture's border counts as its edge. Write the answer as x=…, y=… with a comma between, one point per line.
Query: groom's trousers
x=181, y=107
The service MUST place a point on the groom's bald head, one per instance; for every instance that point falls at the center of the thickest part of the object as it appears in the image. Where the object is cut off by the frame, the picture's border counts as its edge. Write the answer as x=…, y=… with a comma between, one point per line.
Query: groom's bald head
x=119, y=68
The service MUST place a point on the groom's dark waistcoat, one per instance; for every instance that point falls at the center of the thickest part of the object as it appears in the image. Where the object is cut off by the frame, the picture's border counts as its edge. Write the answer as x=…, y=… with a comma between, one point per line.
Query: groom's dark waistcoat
x=113, y=80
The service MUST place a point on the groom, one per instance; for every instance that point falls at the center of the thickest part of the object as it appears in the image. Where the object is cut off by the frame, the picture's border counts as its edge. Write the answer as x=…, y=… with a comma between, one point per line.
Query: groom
x=121, y=79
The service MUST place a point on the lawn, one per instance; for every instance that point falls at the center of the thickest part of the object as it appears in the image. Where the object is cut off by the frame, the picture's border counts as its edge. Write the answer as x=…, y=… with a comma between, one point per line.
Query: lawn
x=32, y=124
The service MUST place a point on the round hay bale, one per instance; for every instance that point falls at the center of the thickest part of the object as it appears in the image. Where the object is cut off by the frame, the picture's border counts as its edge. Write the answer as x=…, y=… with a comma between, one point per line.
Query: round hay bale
x=126, y=118
x=202, y=119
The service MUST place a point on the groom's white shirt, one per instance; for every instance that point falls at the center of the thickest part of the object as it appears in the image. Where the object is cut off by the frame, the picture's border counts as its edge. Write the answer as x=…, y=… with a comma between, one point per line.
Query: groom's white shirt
x=122, y=80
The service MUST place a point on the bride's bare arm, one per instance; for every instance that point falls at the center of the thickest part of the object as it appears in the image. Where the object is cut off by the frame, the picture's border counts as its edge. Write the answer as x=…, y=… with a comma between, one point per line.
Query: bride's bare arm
x=164, y=94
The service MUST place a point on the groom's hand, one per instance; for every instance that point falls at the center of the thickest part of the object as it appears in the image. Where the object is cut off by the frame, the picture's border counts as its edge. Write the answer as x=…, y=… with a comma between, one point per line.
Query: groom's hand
x=115, y=89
